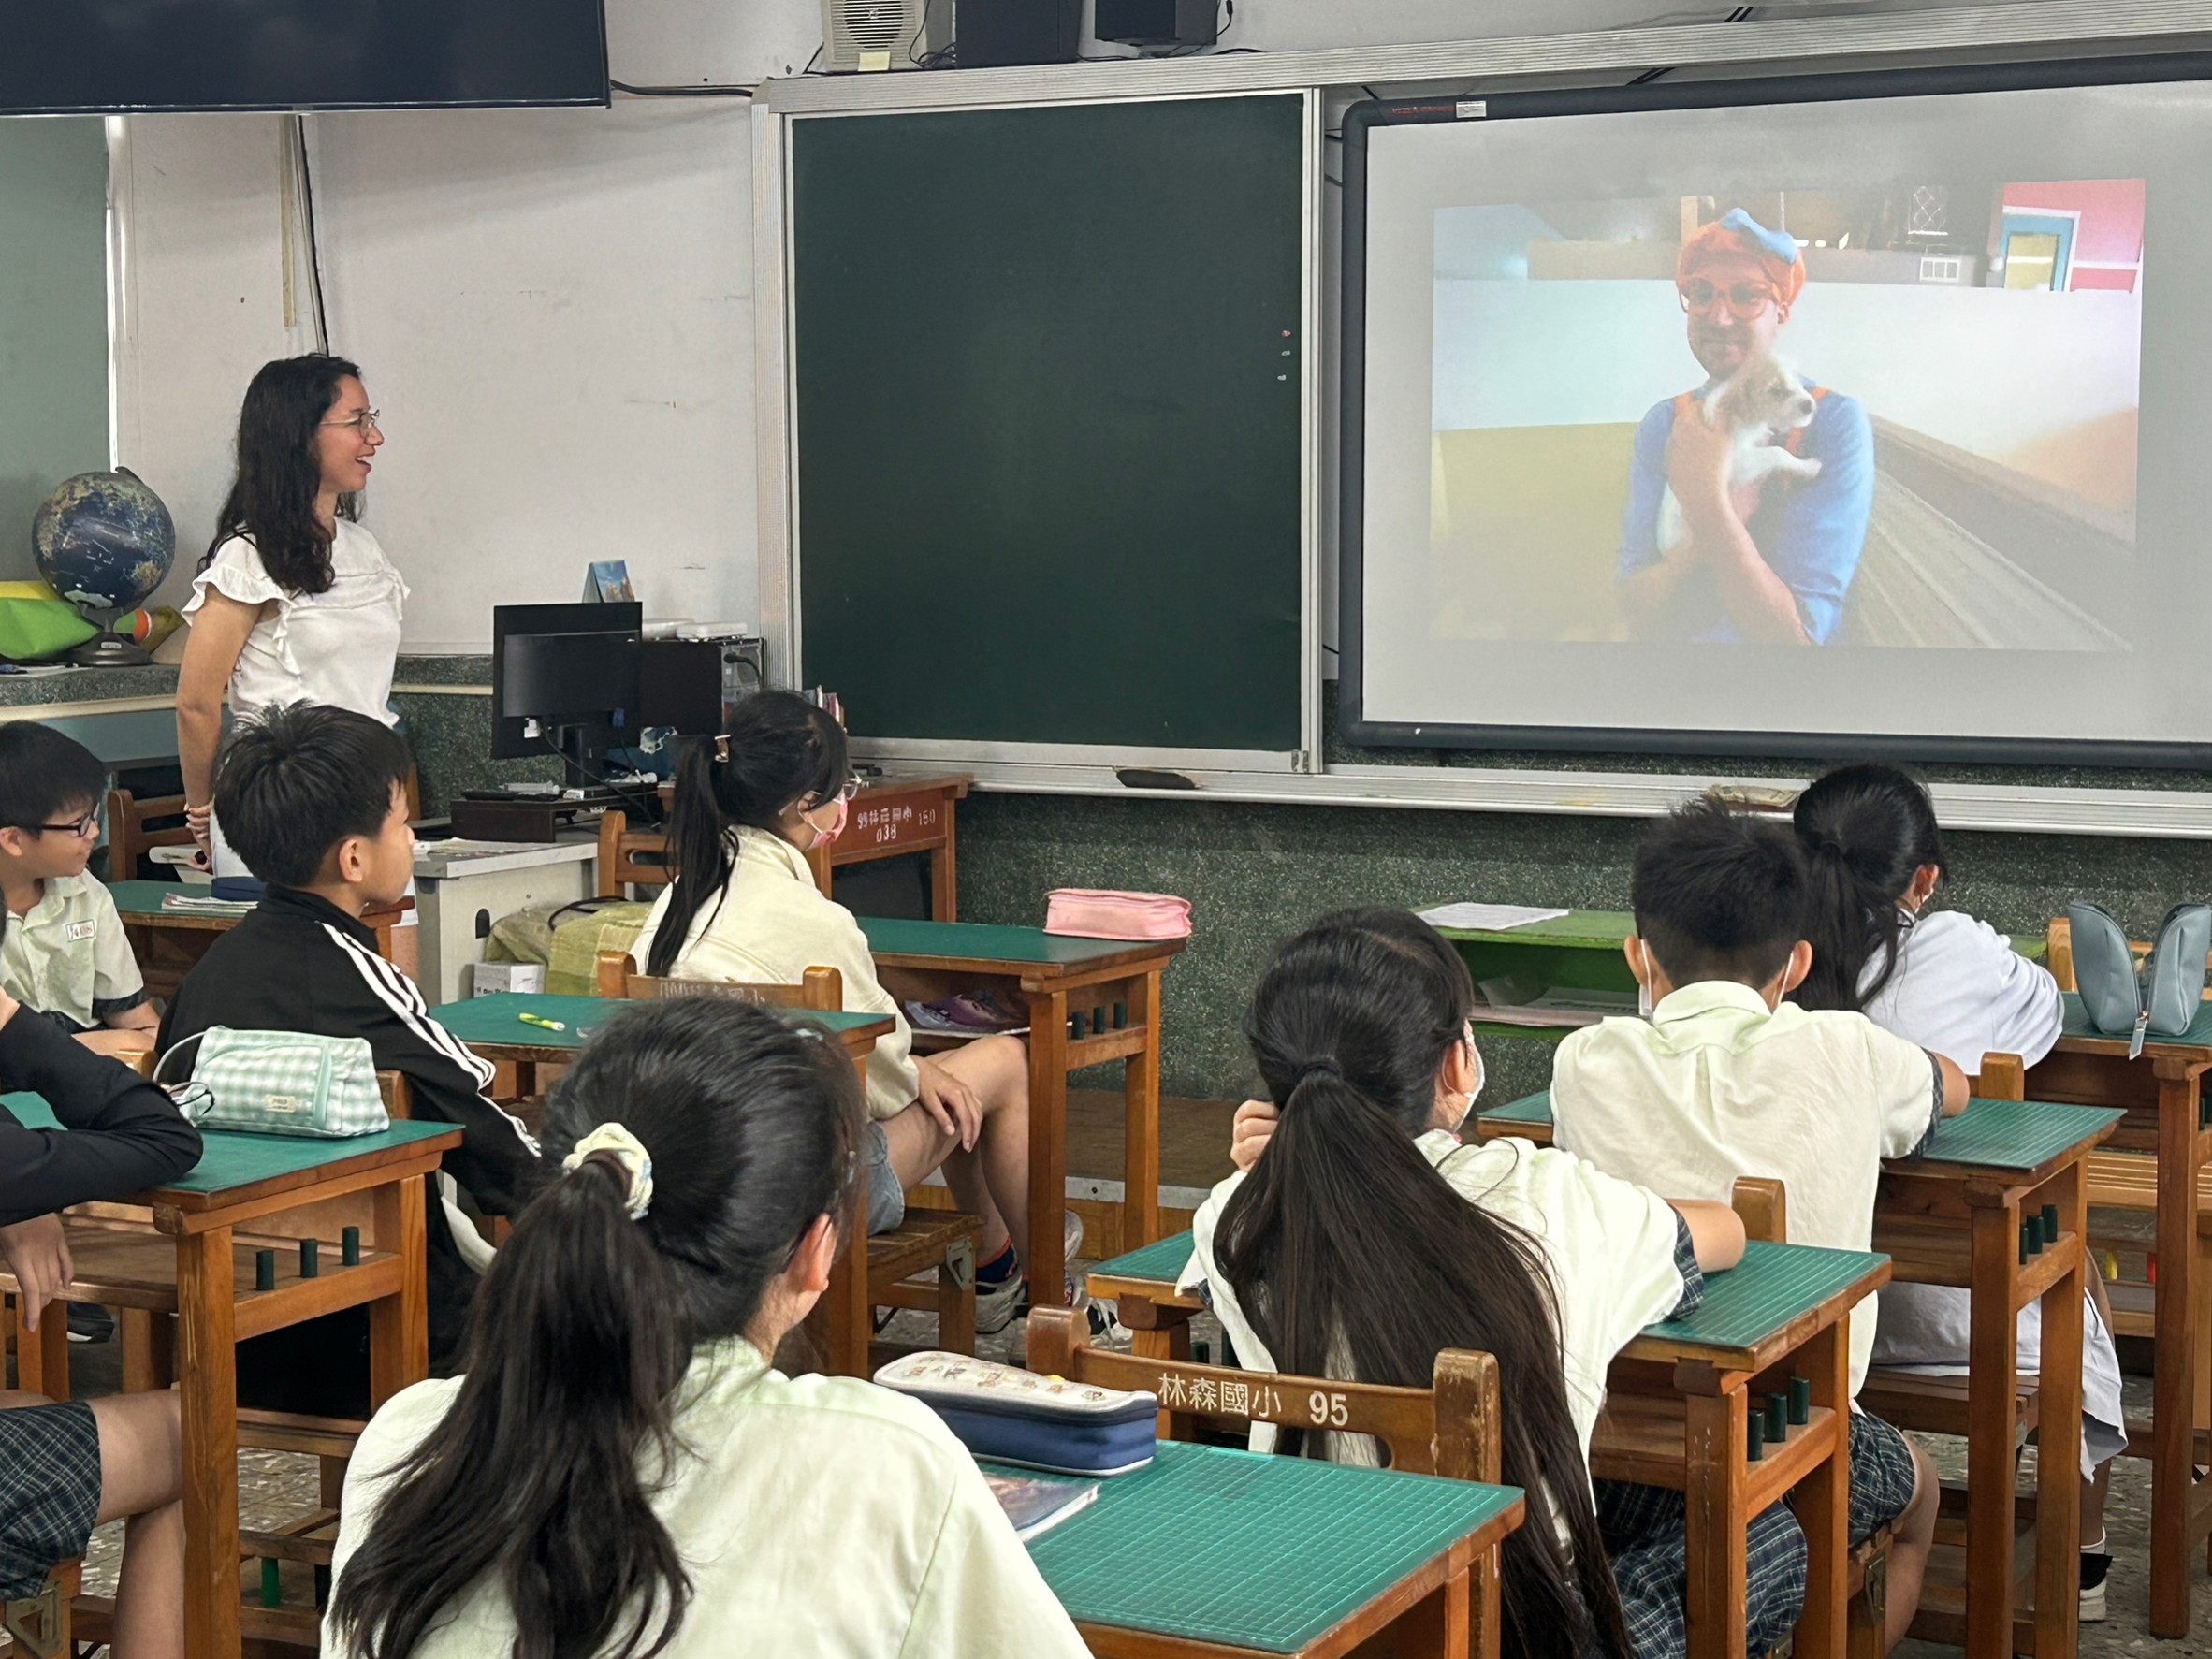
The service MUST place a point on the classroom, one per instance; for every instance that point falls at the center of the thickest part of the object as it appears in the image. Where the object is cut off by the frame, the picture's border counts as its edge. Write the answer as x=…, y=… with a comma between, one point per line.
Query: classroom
x=1213, y=826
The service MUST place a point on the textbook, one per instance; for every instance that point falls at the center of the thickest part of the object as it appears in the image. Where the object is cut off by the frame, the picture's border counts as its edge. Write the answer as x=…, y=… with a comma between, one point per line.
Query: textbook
x=1036, y=1507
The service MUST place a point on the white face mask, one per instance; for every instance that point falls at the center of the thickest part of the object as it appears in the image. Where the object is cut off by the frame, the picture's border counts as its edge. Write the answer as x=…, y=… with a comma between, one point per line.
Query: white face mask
x=1473, y=1094
x=1643, y=987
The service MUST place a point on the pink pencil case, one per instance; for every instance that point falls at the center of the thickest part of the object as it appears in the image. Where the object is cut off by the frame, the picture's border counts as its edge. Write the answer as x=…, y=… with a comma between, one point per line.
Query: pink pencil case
x=1089, y=913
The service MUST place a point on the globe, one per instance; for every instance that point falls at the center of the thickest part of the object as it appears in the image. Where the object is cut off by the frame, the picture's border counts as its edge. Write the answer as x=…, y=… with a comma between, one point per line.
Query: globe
x=104, y=541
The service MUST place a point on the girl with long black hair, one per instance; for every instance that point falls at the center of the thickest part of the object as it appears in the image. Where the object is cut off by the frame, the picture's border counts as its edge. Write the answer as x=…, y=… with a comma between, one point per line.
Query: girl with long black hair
x=295, y=600
x=1955, y=985
x=621, y=1473
x=743, y=906
x=1362, y=1238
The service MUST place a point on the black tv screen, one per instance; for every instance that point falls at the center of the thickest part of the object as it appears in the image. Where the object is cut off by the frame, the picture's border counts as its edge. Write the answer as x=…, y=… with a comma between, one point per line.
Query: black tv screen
x=113, y=57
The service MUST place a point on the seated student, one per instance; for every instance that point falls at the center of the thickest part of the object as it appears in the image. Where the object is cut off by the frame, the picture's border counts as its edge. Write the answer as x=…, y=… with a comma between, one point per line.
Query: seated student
x=743, y=906
x=314, y=799
x=66, y=1468
x=1361, y=1238
x=623, y=1472
x=66, y=957
x=1957, y=988
x=1726, y=1080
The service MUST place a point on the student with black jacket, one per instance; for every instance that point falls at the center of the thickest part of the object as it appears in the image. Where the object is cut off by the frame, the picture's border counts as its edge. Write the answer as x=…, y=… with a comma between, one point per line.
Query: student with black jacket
x=64, y=1468
x=314, y=799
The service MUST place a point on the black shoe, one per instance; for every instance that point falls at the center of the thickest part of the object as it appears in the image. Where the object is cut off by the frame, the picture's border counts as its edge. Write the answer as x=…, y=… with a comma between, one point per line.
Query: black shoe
x=89, y=1323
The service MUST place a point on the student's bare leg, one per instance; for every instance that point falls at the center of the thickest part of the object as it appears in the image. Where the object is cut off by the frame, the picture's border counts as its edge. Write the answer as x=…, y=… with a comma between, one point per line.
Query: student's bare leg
x=918, y=1146
x=994, y=1179
x=1908, y=1554
x=17, y=1399
x=142, y=1483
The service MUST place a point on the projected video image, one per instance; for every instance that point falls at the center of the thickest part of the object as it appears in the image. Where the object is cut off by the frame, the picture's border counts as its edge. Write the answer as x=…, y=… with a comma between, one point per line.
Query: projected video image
x=1901, y=417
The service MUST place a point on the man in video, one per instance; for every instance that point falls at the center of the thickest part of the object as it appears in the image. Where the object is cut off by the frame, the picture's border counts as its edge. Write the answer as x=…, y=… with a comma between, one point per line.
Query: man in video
x=1749, y=497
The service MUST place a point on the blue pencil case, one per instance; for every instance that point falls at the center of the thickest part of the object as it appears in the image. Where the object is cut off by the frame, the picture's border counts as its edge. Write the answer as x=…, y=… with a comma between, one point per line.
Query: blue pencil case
x=1011, y=1416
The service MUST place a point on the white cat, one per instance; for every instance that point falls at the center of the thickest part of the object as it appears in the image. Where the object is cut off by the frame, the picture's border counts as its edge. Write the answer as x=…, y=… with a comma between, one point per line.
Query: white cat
x=1759, y=404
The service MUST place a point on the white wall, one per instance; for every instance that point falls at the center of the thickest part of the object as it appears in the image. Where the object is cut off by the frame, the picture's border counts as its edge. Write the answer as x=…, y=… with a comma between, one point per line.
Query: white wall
x=553, y=307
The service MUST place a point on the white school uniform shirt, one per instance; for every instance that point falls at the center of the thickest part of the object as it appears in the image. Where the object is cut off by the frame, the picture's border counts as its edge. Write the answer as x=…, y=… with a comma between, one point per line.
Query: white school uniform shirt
x=1716, y=1087
x=1609, y=1245
x=771, y=924
x=1960, y=990
x=338, y=646
x=67, y=955
x=817, y=1517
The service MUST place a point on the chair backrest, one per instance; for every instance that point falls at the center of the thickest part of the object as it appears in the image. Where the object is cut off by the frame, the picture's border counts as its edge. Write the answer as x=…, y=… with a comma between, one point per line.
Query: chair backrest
x=1761, y=1204
x=2002, y=1078
x=822, y=989
x=1451, y=1428
x=127, y=836
x=628, y=856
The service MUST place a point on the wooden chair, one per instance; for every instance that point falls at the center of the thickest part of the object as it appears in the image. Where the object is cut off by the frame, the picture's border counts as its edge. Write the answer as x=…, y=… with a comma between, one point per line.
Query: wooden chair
x=938, y=1243
x=39, y=1625
x=129, y=836
x=1451, y=1428
x=628, y=857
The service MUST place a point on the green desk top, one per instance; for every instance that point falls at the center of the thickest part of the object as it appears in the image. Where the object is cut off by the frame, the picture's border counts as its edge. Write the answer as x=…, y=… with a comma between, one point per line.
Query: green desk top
x=1163, y=1261
x=2199, y=1034
x=496, y=1019
x=229, y=1160
x=1251, y=1550
x=976, y=943
x=1742, y=1307
x=143, y=898
x=1988, y=1135
x=1771, y=1285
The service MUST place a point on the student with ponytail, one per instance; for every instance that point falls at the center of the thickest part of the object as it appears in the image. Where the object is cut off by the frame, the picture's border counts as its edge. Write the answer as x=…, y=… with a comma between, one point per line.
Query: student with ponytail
x=1361, y=1238
x=621, y=1474
x=1956, y=986
x=743, y=906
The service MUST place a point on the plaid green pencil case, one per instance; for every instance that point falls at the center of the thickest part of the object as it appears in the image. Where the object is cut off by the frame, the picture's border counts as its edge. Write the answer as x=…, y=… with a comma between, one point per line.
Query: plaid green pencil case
x=281, y=1082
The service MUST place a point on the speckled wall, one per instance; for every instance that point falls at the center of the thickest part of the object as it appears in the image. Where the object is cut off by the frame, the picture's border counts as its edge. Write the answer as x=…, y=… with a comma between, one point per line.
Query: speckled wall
x=1254, y=873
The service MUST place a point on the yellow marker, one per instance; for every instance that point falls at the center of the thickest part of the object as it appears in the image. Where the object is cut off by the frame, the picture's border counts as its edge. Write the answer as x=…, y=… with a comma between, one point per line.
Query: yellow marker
x=2111, y=1267
x=530, y=1019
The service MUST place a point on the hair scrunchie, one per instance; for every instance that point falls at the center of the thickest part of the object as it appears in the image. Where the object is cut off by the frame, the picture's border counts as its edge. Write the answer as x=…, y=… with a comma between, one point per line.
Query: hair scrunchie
x=628, y=1151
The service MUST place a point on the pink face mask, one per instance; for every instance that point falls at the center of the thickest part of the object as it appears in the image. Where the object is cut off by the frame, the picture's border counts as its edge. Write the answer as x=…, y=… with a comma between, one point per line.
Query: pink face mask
x=822, y=837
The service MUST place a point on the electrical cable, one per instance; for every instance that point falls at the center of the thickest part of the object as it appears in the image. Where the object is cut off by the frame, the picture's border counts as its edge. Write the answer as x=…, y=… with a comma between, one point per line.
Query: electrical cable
x=681, y=92
x=315, y=252
x=641, y=802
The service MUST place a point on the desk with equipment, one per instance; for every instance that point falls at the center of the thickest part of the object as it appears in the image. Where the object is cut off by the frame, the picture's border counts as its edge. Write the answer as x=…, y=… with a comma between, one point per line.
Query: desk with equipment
x=197, y=1254
x=1681, y=1412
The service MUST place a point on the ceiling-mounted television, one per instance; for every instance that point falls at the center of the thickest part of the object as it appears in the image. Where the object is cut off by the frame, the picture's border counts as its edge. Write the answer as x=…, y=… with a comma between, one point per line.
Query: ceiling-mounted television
x=122, y=56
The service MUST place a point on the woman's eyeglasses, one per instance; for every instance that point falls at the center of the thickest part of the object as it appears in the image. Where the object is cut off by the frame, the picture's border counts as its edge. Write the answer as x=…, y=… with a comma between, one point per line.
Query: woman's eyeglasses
x=366, y=423
x=1746, y=300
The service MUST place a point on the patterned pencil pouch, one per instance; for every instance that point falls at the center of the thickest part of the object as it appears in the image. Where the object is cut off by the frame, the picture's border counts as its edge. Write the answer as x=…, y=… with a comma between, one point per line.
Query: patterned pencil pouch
x=281, y=1082
x=1012, y=1416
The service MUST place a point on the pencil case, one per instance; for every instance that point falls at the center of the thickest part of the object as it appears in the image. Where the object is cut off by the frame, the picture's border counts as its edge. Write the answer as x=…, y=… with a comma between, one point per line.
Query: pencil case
x=1089, y=912
x=2163, y=997
x=1011, y=1416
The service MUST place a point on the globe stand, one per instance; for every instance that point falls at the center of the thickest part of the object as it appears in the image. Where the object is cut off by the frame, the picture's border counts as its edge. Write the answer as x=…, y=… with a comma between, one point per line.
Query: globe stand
x=107, y=649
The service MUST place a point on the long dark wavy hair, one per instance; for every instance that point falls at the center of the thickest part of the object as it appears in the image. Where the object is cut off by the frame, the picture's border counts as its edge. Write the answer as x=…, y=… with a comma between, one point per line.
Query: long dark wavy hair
x=1343, y=1241
x=272, y=498
x=539, y=1478
x=1867, y=831
x=781, y=748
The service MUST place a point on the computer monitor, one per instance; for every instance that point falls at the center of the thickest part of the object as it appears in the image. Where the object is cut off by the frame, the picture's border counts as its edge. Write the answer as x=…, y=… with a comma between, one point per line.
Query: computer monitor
x=566, y=680
x=681, y=687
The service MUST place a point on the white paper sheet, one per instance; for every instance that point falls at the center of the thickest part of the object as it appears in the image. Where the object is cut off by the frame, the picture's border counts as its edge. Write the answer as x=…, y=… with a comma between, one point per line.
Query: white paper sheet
x=1487, y=918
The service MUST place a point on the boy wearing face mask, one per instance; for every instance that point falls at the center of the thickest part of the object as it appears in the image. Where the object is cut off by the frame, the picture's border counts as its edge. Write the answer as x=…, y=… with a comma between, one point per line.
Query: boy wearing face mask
x=1724, y=1078
x=743, y=907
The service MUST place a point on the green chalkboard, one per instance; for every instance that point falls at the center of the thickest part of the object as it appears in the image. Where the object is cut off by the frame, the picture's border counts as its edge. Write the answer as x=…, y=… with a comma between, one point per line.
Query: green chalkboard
x=1048, y=369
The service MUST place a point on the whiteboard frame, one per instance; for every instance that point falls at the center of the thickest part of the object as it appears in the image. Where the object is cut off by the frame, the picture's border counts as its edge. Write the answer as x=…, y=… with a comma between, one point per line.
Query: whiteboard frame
x=775, y=372
x=1961, y=34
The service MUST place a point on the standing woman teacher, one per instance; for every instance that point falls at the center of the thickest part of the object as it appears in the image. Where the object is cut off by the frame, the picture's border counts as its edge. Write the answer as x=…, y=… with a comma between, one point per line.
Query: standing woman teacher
x=295, y=602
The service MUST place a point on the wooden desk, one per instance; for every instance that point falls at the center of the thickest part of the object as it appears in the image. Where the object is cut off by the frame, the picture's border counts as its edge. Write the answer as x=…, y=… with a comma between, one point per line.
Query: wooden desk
x=239, y=1180
x=1112, y=987
x=1676, y=1413
x=2161, y=1094
x=169, y=945
x=891, y=815
x=1213, y=1552
x=1954, y=1217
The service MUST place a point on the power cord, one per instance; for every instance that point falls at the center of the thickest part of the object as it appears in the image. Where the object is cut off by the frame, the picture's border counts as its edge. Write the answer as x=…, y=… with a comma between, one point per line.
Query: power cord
x=681, y=92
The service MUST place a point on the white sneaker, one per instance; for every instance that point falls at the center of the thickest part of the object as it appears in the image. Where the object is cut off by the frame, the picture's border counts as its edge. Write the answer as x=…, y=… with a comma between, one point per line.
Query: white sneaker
x=997, y=1304
x=2096, y=1566
x=1070, y=1235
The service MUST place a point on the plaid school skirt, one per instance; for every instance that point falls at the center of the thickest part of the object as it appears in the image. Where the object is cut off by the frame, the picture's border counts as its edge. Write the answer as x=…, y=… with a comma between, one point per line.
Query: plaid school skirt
x=50, y=1490
x=1647, y=1541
